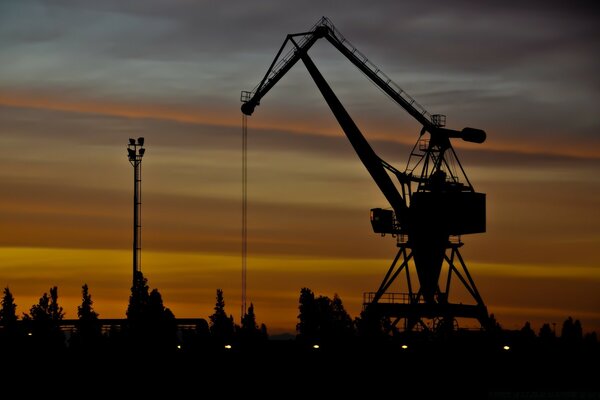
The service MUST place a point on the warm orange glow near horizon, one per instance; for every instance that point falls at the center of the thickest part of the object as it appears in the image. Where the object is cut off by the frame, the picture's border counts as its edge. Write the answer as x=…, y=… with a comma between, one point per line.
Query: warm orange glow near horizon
x=186, y=279
x=77, y=81
x=303, y=231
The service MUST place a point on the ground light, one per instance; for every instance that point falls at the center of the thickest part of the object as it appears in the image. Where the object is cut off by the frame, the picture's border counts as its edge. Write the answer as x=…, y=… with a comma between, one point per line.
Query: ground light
x=179, y=347
x=316, y=346
x=228, y=346
x=506, y=347
x=404, y=347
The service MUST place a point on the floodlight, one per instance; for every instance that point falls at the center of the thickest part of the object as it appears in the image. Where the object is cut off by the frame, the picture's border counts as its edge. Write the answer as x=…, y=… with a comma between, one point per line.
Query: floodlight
x=131, y=154
x=141, y=141
x=142, y=151
x=132, y=141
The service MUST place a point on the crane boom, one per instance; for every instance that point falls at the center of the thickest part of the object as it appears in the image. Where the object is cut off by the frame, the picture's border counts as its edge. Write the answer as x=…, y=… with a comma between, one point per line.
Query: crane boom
x=439, y=143
x=370, y=160
x=281, y=65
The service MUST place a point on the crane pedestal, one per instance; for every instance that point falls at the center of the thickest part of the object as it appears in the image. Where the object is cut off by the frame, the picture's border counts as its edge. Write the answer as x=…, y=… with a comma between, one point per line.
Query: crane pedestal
x=413, y=307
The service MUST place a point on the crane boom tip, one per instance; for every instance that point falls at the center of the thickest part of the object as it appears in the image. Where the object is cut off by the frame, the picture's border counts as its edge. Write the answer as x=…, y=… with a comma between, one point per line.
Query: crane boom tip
x=248, y=108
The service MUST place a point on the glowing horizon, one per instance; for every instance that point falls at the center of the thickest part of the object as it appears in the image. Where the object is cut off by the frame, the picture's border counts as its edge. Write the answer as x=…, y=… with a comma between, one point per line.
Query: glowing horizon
x=167, y=270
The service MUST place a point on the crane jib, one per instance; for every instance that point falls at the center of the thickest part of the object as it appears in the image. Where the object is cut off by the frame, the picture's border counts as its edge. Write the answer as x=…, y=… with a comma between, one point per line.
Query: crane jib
x=401, y=221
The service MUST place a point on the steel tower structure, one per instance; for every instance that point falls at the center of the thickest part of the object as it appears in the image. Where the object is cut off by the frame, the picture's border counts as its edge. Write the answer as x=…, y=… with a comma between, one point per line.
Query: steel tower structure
x=135, y=152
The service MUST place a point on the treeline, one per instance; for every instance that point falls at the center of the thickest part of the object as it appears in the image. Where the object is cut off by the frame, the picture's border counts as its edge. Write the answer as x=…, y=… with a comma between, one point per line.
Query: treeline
x=151, y=325
x=322, y=319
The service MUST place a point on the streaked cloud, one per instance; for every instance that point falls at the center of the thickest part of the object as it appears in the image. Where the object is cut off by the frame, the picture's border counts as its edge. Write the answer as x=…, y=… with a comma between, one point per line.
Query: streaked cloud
x=187, y=281
x=79, y=77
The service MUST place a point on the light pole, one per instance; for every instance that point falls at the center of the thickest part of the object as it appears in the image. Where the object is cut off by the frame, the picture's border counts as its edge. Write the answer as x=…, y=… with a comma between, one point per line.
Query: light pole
x=135, y=152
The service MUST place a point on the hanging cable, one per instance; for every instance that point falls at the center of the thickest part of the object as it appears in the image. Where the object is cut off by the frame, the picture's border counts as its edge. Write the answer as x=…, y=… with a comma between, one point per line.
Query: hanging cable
x=244, y=209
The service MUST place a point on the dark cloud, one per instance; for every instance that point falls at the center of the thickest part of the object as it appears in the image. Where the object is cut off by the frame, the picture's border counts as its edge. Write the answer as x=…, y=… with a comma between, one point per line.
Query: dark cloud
x=531, y=63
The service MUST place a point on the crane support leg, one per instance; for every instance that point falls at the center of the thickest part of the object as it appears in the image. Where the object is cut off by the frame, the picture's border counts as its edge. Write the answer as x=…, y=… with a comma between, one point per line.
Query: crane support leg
x=417, y=310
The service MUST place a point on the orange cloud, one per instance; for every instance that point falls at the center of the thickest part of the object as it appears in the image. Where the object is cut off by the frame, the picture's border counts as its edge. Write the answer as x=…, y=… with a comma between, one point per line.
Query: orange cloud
x=114, y=109
x=231, y=116
x=184, y=114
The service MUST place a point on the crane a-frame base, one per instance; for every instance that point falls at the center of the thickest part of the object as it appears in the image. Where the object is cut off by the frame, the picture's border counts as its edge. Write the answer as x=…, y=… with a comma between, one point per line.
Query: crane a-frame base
x=411, y=307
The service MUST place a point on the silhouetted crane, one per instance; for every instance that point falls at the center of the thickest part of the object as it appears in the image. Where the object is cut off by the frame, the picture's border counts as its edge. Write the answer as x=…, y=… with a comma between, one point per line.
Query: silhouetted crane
x=430, y=210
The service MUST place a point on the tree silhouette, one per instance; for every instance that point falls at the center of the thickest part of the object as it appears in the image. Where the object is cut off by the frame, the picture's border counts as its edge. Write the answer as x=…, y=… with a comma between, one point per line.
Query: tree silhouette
x=249, y=331
x=56, y=312
x=8, y=319
x=137, y=319
x=308, y=317
x=342, y=325
x=138, y=300
x=44, y=319
x=156, y=308
x=163, y=325
x=47, y=308
x=371, y=326
x=526, y=329
x=8, y=312
x=571, y=331
x=85, y=311
x=526, y=337
x=221, y=326
x=265, y=335
x=249, y=320
x=89, y=330
x=322, y=318
x=493, y=325
x=546, y=334
x=150, y=323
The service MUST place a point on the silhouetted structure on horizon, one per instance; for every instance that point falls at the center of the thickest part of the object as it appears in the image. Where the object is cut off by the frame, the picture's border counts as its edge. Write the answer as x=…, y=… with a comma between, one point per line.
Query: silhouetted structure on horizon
x=135, y=152
x=430, y=212
x=324, y=330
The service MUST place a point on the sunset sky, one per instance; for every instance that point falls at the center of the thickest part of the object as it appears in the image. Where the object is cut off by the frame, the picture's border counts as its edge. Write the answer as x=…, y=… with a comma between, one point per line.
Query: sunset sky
x=78, y=78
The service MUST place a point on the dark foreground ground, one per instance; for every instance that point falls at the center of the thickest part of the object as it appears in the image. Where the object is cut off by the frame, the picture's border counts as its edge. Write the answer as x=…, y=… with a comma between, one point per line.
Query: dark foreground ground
x=291, y=370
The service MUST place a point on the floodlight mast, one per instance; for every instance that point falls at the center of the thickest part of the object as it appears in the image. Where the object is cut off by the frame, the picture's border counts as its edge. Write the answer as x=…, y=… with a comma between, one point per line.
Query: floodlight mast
x=135, y=152
x=431, y=210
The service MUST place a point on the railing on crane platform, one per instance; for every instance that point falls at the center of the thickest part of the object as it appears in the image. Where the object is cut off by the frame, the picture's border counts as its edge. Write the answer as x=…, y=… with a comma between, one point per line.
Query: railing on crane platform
x=392, y=298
